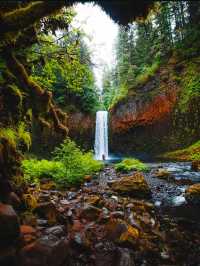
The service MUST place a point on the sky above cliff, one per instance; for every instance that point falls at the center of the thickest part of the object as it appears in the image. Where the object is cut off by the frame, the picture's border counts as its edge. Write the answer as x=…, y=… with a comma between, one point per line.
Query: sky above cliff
x=101, y=33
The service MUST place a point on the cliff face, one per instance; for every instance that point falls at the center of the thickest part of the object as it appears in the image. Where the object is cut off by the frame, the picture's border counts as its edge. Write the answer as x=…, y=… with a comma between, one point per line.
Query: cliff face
x=81, y=129
x=158, y=116
x=80, y=126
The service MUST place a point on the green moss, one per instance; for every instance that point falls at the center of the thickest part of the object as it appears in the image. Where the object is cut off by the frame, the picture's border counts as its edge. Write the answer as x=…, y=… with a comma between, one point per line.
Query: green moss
x=129, y=164
x=140, y=80
x=16, y=136
x=190, y=85
x=147, y=74
x=15, y=94
x=10, y=135
x=190, y=153
x=23, y=135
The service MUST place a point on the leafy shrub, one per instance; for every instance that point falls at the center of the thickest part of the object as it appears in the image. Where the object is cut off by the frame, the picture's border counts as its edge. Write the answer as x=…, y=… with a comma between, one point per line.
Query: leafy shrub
x=36, y=169
x=76, y=162
x=129, y=164
x=69, y=165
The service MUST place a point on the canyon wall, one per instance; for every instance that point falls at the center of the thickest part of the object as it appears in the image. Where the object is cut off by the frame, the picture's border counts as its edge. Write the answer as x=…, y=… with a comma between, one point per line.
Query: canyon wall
x=162, y=114
x=80, y=127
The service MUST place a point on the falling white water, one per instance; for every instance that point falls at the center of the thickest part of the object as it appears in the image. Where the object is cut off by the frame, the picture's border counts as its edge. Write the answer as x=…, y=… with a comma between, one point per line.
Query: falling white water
x=101, y=136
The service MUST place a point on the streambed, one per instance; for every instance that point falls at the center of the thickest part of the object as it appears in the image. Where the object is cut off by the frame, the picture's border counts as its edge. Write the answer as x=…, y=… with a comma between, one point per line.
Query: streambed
x=168, y=194
x=94, y=225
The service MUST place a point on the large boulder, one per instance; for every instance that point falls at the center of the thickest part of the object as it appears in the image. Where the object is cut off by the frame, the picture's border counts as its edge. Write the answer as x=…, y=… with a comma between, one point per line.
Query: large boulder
x=193, y=194
x=133, y=186
x=9, y=225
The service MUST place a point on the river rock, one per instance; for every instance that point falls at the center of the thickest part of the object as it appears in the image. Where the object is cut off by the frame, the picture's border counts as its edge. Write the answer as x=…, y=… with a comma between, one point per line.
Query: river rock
x=46, y=251
x=47, y=184
x=90, y=212
x=117, y=214
x=193, y=194
x=9, y=225
x=28, y=234
x=92, y=199
x=134, y=186
x=195, y=165
x=57, y=230
x=125, y=257
x=14, y=200
x=121, y=232
x=162, y=173
x=48, y=211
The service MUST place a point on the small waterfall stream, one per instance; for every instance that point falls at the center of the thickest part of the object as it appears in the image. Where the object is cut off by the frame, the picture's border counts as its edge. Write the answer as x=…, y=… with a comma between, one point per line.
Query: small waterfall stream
x=101, y=136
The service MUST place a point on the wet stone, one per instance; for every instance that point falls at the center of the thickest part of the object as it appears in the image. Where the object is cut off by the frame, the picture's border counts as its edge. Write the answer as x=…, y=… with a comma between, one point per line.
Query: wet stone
x=9, y=225
x=46, y=251
x=90, y=212
x=55, y=230
x=133, y=186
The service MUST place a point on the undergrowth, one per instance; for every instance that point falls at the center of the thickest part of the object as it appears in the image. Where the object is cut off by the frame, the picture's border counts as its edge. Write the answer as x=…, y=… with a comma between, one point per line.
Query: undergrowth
x=190, y=153
x=130, y=164
x=68, y=166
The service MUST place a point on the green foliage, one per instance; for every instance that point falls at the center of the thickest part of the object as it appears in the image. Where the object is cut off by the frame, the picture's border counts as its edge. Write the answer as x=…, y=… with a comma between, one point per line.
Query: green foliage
x=15, y=91
x=35, y=169
x=69, y=165
x=190, y=85
x=10, y=135
x=65, y=68
x=23, y=135
x=77, y=163
x=190, y=153
x=121, y=94
x=17, y=136
x=143, y=45
x=195, y=156
x=147, y=73
x=129, y=164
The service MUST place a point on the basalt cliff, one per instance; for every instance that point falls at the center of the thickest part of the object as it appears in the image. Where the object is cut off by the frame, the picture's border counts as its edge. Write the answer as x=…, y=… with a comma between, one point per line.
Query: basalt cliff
x=161, y=114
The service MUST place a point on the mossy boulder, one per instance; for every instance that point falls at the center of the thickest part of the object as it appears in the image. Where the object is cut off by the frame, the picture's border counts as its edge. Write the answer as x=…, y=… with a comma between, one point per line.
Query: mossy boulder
x=193, y=194
x=162, y=173
x=133, y=186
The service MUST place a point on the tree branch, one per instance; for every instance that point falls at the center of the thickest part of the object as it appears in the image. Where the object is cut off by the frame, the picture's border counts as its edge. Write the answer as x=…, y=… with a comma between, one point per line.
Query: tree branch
x=24, y=17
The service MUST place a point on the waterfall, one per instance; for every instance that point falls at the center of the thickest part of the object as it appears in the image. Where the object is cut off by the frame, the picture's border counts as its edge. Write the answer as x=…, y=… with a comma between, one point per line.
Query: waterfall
x=101, y=136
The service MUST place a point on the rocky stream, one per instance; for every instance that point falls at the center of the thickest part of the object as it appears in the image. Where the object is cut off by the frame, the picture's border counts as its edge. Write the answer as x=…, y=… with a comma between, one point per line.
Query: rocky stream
x=134, y=219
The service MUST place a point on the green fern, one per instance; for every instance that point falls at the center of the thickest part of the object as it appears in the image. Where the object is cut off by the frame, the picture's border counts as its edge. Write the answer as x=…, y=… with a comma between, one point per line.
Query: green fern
x=10, y=135
x=15, y=136
x=24, y=135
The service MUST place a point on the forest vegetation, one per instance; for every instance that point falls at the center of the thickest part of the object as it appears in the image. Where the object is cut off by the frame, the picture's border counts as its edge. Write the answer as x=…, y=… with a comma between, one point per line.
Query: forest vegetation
x=59, y=206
